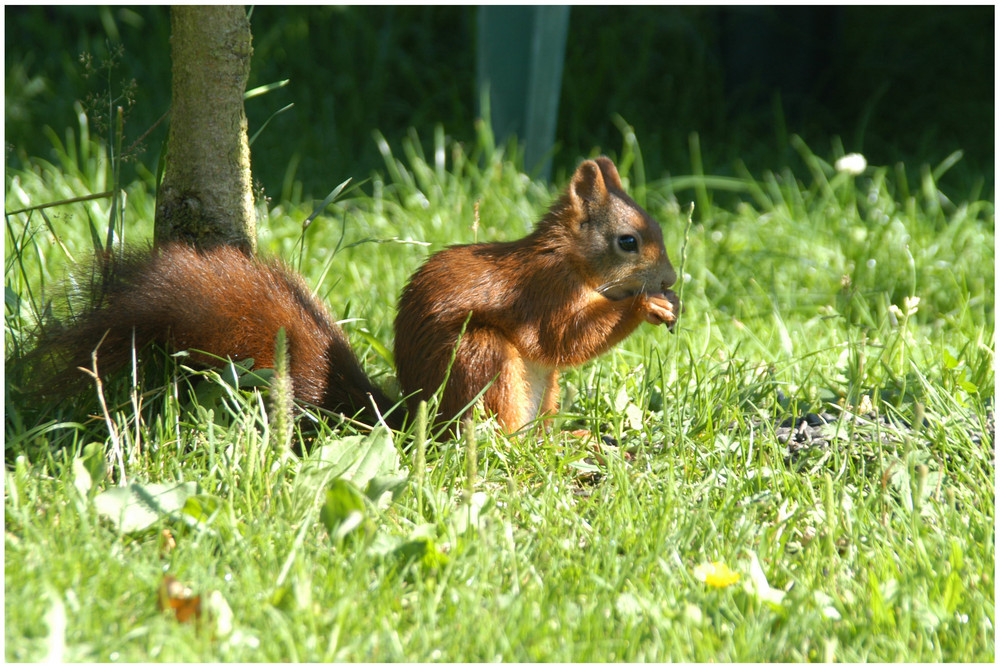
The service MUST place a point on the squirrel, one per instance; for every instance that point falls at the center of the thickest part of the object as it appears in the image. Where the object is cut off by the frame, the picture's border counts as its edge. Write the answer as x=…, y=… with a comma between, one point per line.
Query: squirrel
x=493, y=319
x=506, y=317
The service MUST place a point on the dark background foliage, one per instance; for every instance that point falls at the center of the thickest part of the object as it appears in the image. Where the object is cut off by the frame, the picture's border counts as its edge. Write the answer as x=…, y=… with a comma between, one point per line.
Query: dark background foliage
x=907, y=84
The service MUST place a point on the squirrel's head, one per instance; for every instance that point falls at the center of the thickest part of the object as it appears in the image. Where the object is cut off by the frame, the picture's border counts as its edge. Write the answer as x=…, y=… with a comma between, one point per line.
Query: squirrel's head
x=612, y=240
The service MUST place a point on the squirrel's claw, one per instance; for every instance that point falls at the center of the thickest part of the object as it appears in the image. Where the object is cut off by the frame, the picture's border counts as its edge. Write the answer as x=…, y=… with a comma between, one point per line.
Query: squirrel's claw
x=662, y=308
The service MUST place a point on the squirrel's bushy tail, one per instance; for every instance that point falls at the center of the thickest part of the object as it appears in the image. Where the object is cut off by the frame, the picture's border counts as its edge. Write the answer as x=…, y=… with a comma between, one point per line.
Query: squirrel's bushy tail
x=217, y=303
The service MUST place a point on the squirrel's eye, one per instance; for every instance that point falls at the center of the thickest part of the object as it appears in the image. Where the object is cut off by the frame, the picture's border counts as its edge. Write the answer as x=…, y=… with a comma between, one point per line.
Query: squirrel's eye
x=628, y=243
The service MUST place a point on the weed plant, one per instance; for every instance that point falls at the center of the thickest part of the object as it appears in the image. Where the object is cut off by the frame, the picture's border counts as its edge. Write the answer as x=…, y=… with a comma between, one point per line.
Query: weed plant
x=865, y=297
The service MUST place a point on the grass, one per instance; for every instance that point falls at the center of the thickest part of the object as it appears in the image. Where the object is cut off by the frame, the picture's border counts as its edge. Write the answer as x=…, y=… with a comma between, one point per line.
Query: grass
x=878, y=546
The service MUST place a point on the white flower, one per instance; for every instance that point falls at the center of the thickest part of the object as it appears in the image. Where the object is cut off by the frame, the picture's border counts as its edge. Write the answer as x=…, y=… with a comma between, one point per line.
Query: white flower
x=896, y=313
x=852, y=163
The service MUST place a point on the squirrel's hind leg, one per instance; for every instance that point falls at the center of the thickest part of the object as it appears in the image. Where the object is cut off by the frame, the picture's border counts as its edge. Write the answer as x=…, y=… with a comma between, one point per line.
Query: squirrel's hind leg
x=515, y=390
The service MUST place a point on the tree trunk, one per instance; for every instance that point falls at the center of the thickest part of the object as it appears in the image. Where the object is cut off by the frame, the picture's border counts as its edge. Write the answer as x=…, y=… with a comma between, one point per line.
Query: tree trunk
x=205, y=197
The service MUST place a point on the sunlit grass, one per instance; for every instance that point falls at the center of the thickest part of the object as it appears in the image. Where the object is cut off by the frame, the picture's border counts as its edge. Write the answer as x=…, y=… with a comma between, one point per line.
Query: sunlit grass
x=800, y=297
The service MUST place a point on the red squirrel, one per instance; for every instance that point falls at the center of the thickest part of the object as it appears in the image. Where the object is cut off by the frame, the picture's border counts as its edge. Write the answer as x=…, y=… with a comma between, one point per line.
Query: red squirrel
x=501, y=316
x=508, y=316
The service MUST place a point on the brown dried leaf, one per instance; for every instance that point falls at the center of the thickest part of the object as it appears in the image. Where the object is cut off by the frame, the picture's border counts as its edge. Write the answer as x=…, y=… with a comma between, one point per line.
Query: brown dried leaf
x=177, y=597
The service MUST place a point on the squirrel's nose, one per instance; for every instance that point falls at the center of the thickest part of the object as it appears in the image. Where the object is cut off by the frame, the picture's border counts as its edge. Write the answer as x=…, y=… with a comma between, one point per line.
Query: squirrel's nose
x=669, y=278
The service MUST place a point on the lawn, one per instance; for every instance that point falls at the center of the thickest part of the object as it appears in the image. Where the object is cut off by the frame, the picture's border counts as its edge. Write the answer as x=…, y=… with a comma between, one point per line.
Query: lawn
x=804, y=469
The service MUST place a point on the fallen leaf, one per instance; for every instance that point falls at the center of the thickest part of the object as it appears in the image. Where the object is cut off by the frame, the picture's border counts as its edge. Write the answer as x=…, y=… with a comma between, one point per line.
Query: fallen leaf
x=167, y=543
x=175, y=596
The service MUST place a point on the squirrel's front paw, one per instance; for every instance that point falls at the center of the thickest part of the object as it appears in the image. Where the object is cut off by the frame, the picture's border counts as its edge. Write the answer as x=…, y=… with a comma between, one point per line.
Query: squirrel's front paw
x=662, y=308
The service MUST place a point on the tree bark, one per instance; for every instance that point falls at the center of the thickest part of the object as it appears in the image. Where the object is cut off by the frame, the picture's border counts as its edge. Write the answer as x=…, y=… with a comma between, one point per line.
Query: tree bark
x=205, y=197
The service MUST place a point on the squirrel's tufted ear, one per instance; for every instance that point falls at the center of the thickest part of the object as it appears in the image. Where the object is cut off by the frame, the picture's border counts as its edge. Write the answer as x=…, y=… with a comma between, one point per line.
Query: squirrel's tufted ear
x=609, y=172
x=587, y=185
x=592, y=179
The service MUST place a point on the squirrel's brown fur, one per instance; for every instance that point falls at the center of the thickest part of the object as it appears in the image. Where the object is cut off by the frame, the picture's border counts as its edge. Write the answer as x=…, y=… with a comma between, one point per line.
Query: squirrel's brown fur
x=508, y=316
x=504, y=317
x=217, y=302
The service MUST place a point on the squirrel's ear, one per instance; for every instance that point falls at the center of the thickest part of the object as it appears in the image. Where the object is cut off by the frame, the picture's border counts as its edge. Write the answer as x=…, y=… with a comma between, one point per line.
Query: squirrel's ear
x=587, y=184
x=610, y=173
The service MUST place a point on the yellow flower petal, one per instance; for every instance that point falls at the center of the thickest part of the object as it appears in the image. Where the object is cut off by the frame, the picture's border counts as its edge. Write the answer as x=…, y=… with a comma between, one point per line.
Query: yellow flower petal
x=716, y=574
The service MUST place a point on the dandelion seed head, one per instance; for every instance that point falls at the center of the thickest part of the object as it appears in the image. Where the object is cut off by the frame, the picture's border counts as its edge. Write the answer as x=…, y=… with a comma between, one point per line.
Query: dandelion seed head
x=852, y=163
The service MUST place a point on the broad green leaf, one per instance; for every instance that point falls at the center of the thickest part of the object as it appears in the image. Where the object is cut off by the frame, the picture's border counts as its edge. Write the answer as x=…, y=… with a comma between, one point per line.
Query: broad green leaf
x=968, y=387
x=470, y=515
x=138, y=506
x=355, y=458
x=382, y=489
x=204, y=508
x=95, y=462
x=621, y=400
x=633, y=417
x=343, y=509
x=423, y=552
x=257, y=378
x=89, y=468
x=81, y=477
